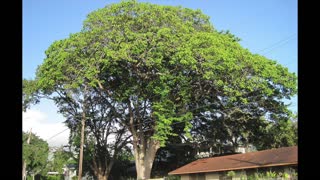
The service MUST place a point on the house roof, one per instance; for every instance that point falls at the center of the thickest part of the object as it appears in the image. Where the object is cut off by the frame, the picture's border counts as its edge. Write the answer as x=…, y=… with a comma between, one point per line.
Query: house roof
x=267, y=158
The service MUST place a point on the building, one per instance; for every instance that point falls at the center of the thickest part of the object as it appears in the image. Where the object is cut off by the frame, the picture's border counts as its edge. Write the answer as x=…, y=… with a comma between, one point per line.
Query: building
x=69, y=171
x=281, y=161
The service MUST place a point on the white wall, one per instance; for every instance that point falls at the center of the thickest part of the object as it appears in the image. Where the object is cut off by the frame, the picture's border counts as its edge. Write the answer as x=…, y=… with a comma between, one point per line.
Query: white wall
x=185, y=177
x=212, y=176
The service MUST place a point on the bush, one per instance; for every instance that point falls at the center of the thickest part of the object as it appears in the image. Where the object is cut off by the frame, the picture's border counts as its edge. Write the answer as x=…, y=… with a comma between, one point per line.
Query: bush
x=271, y=175
x=231, y=174
x=55, y=177
x=172, y=177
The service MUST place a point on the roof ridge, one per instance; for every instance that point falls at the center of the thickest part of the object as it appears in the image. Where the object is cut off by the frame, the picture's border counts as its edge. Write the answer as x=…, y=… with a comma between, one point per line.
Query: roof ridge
x=263, y=158
x=245, y=153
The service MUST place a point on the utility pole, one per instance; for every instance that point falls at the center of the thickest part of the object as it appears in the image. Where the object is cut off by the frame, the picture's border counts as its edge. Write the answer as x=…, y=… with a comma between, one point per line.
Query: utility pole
x=82, y=133
x=81, y=145
x=24, y=176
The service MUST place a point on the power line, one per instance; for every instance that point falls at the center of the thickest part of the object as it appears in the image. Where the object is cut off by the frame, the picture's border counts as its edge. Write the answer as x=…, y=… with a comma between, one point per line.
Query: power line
x=274, y=48
x=290, y=62
x=57, y=134
x=293, y=104
x=277, y=45
x=270, y=48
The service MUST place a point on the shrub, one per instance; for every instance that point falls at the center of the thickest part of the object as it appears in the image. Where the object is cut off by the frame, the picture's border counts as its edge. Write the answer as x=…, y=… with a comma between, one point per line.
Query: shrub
x=231, y=173
x=172, y=177
x=55, y=177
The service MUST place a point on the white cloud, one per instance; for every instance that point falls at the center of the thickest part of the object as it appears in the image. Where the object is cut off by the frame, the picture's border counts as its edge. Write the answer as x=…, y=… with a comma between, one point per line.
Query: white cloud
x=45, y=129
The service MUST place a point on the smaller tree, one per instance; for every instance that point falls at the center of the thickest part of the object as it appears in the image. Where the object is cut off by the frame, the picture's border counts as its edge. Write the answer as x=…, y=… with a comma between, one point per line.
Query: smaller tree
x=123, y=165
x=35, y=154
x=61, y=158
x=104, y=138
x=278, y=134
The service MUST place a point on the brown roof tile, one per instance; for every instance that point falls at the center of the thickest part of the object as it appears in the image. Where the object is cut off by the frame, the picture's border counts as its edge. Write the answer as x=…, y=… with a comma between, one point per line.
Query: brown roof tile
x=266, y=158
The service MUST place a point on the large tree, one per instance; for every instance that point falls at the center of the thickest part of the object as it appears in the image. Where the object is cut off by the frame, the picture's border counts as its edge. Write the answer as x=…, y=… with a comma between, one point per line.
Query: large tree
x=160, y=65
x=35, y=154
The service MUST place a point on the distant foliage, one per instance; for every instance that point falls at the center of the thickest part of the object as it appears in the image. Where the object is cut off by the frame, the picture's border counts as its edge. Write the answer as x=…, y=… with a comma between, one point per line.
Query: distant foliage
x=35, y=154
x=60, y=159
x=173, y=177
x=231, y=173
x=54, y=177
x=272, y=175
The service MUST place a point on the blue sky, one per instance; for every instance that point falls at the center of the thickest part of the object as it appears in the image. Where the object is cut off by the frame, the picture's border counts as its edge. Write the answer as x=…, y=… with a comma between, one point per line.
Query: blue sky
x=267, y=27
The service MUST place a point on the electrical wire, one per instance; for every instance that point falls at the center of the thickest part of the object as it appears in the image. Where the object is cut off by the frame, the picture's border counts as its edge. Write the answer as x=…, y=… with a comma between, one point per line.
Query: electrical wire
x=57, y=134
x=270, y=48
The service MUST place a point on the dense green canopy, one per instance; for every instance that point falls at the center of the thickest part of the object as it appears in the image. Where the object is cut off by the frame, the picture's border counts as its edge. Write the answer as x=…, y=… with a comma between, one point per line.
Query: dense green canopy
x=168, y=56
x=35, y=154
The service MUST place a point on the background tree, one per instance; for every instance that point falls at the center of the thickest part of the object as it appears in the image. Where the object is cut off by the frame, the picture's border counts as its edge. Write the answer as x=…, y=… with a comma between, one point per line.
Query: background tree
x=175, y=154
x=61, y=158
x=123, y=165
x=35, y=154
x=278, y=134
x=104, y=136
x=160, y=65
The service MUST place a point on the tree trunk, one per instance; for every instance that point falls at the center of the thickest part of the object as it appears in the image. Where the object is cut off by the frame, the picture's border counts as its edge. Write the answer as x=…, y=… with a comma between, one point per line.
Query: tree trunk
x=103, y=177
x=144, y=147
x=24, y=176
x=144, y=157
x=100, y=173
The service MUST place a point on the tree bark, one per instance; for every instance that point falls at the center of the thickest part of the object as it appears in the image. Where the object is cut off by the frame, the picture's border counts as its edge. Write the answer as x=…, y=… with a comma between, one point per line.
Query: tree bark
x=144, y=147
x=102, y=177
x=144, y=158
x=101, y=174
